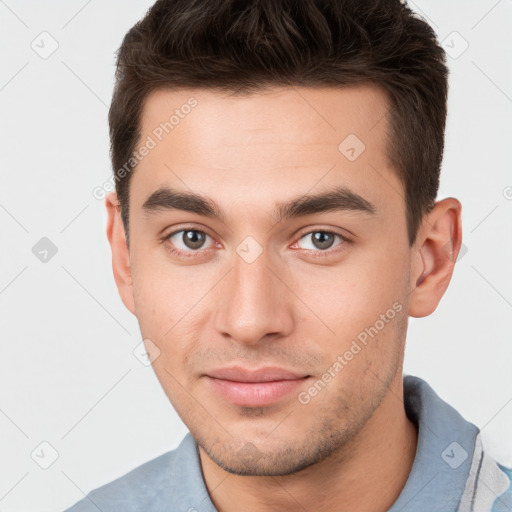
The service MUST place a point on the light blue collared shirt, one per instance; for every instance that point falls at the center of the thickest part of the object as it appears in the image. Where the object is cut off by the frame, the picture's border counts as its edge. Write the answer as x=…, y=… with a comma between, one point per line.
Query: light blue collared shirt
x=451, y=471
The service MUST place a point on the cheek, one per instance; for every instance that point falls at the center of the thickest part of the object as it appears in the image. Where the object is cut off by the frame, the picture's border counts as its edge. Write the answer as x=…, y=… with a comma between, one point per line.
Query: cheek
x=170, y=304
x=163, y=293
x=356, y=311
x=348, y=298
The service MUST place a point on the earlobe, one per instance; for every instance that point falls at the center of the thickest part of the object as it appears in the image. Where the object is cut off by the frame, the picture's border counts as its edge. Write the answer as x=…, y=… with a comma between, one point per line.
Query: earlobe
x=435, y=253
x=120, y=253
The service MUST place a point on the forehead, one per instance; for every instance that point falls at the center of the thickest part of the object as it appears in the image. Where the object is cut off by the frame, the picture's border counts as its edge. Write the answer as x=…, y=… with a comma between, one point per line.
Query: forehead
x=273, y=116
x=279, y=141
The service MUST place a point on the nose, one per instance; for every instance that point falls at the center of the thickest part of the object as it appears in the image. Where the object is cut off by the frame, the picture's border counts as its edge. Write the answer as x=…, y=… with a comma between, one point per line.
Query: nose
x=253, y=302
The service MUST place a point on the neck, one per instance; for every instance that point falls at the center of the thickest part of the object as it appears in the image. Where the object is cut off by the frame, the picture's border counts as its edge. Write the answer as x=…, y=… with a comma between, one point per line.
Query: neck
x=368, y=474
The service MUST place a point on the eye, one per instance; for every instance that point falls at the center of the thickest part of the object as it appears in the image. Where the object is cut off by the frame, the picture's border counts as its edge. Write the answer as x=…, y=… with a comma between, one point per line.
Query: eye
x=186, y=241
x=321, y=241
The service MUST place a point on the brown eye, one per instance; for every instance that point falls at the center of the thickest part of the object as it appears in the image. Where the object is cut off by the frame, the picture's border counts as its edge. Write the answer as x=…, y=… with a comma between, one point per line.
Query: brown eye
x=187, y=240
x=193, y=239
x=321, y=240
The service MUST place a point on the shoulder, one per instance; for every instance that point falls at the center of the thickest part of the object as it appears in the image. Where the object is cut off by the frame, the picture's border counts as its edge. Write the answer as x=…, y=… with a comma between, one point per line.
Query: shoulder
x=451, y=451
x=489, y=486
x=504, y=501
x=143, y=488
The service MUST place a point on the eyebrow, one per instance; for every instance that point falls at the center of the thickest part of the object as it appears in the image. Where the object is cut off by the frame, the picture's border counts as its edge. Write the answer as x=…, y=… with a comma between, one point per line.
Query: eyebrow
x=336, y=199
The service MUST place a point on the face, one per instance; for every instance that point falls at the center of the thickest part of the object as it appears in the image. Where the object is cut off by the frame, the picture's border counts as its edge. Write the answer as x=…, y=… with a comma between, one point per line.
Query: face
x=261, y=276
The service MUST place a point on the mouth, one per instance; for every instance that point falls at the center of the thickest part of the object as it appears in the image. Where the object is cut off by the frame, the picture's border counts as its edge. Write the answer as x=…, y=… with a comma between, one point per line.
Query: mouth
x=254, y=388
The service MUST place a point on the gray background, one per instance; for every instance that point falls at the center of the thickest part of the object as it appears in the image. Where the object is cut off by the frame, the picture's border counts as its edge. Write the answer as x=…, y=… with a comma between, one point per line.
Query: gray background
x=68, y=375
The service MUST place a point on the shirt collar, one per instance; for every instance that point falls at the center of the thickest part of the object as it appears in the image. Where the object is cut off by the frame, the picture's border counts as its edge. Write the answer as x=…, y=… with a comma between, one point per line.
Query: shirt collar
x=443, y=458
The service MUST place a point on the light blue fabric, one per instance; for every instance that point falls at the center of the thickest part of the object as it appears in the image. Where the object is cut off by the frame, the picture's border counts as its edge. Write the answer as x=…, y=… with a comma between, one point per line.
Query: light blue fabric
x=450, y=473
x=504, y=502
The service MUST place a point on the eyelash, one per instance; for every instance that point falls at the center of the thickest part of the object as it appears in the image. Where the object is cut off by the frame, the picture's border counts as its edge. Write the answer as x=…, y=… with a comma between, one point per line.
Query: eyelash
x=315, y=254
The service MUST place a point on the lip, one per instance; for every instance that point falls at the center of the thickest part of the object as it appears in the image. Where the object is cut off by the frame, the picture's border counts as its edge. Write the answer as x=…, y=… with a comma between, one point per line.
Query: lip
x=267, y=374
x=254, y=388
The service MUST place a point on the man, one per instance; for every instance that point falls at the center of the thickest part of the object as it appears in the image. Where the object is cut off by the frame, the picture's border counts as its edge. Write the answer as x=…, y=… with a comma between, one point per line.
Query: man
x=274, y=225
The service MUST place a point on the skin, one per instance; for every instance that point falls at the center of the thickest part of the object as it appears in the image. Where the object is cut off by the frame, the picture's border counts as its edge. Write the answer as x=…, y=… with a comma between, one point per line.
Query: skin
x=352, y=446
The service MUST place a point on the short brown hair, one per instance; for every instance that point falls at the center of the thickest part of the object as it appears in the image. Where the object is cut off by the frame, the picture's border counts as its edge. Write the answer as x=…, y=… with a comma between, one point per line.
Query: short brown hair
x=243, y=46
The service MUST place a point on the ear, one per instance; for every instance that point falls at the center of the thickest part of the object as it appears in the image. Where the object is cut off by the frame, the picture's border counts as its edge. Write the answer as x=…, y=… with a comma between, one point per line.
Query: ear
x=120, y=253
x=434, y=255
